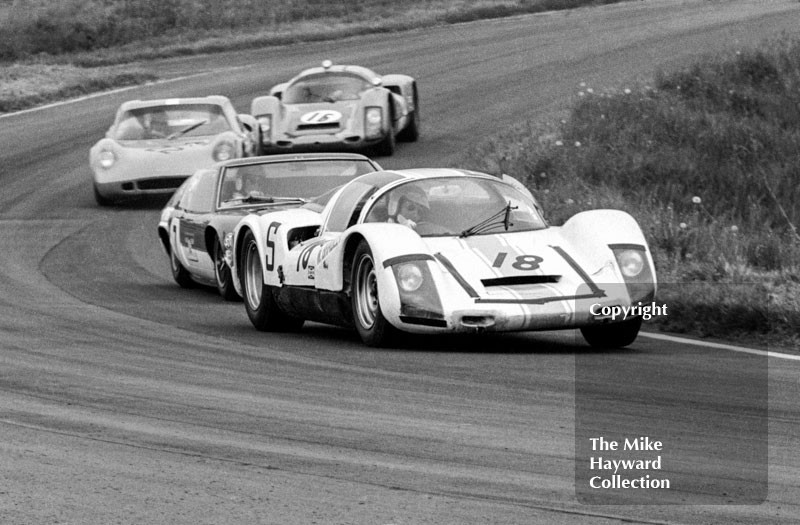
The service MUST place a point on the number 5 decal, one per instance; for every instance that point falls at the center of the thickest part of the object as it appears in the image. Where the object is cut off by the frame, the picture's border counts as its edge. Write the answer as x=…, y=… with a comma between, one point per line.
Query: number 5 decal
x=271, y=232
x=525, y=263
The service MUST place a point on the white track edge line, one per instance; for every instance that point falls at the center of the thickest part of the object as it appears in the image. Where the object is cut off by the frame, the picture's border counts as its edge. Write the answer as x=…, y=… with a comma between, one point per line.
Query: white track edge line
x=721, y=346
x=99, y=94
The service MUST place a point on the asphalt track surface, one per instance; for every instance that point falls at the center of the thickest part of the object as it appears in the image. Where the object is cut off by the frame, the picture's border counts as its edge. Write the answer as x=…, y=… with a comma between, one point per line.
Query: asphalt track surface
x=124, y=398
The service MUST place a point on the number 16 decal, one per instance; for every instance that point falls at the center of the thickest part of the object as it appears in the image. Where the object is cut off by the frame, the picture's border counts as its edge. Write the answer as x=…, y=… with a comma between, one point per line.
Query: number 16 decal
x=271, y=232
x=525, y=263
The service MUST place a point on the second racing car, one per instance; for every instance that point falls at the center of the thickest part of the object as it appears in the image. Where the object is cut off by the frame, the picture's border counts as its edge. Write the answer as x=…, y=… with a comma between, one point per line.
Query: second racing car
x=197, y=219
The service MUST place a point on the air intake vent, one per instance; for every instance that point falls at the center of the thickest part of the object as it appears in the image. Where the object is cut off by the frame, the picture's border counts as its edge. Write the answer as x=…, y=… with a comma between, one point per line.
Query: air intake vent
x=308, y=127
x=521, y=279
x=164, y=183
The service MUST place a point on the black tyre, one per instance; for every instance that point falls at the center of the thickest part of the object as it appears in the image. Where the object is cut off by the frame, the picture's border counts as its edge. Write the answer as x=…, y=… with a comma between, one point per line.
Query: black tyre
x=387, y=146
x=100, y=199
x=368, y=319
x=615, y=335
x=222, y=273
x=179, y=273
x=411, y=132
x=258, y=149
x=259, y=300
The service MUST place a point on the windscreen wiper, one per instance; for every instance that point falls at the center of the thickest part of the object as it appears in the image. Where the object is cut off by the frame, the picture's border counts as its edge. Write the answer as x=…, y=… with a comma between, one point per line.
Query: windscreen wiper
x=491, y=222
x=187, y=129
x=268, y=199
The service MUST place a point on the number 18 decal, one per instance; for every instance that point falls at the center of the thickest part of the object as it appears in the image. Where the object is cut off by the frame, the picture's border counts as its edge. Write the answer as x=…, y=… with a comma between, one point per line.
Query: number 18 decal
x=525, y=263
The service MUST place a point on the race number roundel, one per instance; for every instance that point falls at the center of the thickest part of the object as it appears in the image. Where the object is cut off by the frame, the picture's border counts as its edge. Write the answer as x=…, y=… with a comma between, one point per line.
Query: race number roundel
x=322, y=116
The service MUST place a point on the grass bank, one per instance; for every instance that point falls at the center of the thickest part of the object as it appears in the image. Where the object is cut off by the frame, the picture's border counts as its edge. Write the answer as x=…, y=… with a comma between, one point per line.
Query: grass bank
x=24, y=86
x=52, y=51
x=125, y=30
x=706, y=159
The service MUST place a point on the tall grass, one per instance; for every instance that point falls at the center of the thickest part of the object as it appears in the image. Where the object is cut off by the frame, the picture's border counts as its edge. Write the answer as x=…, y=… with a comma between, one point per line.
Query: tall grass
x=706, y=160
x=25, y=86
x=33, y=27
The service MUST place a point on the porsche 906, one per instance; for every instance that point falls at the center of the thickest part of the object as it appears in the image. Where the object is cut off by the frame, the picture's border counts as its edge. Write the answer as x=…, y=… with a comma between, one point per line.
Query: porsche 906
x=199, y=216
x=438, y=251
x=337, y=107
x=154, y=145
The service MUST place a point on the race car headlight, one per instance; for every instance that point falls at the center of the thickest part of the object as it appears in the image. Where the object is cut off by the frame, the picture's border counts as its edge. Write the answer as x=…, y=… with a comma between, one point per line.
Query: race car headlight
x=373, y=120
x=636, y=271
x=409, y=277
x=106, y=158
x=223, y=151
x=265, y=123
x=419, y=298
x=631, y=262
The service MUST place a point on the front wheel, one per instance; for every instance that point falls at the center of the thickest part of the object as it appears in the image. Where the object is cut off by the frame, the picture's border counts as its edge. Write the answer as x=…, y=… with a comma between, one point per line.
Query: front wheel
x=615, y=335
x=387, y=146
x=101, y=199
x=372, y=326
x=259, y=301
x=411, y=133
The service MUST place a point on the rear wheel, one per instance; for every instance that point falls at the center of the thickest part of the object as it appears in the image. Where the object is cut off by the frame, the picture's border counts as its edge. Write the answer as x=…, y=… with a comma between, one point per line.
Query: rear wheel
x=615, y=335
x=179, y=273
x=372, y=326
x=222, y=273
x=259, y=300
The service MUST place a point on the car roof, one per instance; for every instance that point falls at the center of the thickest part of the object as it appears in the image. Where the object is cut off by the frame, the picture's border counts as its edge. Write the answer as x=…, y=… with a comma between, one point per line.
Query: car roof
x=429, y=173
x=364, y=72
x=265, y=159
x=390, y=179
x=404, y=176
x=137, y=104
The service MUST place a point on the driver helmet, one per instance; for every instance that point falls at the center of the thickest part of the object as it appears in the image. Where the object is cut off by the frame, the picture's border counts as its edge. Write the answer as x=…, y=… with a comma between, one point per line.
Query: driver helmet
x=246, y=182
x=157, y=119
x=408, y=192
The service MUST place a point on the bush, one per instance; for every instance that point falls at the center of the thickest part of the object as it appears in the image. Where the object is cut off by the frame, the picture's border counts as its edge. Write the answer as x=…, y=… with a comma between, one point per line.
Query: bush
x=705, y=161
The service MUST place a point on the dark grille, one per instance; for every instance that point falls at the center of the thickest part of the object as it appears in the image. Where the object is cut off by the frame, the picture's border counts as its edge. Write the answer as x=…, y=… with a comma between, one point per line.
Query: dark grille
x=308, y=127
x=164, y=183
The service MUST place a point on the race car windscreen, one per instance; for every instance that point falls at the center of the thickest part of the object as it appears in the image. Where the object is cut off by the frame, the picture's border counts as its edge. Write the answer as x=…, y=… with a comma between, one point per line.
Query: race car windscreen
x=171, y=122
x=284, y=180
x=325, y=87
x=460, y=206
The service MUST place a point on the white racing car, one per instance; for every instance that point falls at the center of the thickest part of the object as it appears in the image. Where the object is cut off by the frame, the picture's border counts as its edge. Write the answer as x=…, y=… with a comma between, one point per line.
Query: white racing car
x=437, y=251
x=154, y=145
x=339, y=108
